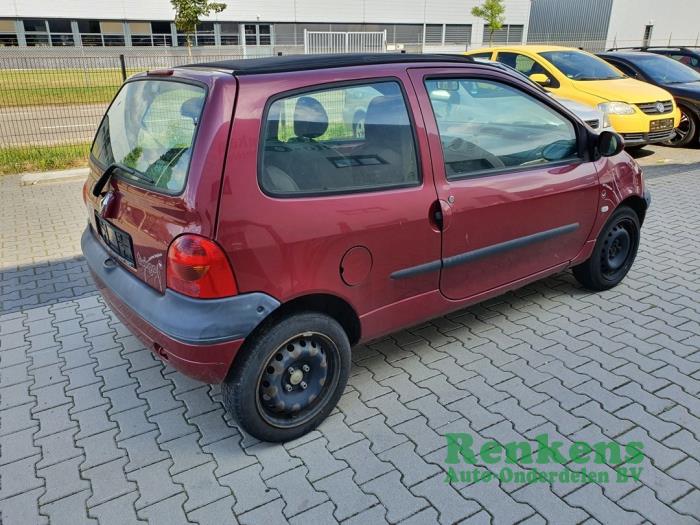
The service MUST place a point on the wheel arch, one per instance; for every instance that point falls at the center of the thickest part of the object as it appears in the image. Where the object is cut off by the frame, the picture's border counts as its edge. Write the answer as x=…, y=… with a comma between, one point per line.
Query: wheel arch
x=329, y=304
x=638, y=205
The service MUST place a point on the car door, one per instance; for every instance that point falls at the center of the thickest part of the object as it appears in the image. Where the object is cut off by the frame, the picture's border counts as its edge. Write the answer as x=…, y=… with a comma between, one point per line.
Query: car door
x=344, y=190
x=517, y=197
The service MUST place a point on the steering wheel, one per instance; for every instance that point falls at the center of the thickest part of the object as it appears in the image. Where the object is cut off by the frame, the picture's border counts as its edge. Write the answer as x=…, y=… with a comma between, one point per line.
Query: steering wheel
x=470, y=151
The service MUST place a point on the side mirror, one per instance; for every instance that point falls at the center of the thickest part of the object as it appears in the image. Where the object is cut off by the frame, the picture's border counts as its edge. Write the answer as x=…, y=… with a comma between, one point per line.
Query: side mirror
x=610, y=143
x=541, y=79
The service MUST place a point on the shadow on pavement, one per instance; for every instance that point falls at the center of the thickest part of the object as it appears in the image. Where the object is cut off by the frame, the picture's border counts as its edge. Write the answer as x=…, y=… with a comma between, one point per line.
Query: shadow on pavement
x=49, y=282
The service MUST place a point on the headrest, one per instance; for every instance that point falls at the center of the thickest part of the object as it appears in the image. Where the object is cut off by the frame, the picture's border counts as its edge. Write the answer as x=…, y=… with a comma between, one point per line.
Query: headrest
x=310, y=119
x=191, y=108
x=383, y=112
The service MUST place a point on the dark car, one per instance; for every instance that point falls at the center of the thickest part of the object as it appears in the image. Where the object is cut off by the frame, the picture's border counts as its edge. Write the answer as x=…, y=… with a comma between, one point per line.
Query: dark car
x=244, y=230
x=681, y=81
x=687, y=55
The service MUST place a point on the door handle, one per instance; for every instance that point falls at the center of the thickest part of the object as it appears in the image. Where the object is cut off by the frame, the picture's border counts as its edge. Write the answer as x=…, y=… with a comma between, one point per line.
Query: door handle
x=440, y=215
x=435, y=216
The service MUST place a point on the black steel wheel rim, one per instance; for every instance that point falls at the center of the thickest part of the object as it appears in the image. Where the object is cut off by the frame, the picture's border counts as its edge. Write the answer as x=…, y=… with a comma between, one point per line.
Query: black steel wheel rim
x=297, y=380
x=618, y=249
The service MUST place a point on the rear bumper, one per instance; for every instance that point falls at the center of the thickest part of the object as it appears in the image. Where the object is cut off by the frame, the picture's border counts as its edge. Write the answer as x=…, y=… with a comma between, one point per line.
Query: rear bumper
x=198, y=337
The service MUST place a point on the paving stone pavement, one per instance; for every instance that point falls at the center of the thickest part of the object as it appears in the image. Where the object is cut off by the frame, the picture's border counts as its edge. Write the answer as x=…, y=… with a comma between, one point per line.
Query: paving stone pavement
x=94, y=429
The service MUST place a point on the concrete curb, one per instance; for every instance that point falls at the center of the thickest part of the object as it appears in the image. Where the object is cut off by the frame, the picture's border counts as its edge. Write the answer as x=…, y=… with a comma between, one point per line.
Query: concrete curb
x=30, y=179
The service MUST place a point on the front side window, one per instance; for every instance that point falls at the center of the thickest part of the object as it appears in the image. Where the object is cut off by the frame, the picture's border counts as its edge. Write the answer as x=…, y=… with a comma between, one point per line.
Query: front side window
x=150, y=128
x=487, y=126
x=688, y=60
x=525, y=65
x=577, y=65
x=343, y=139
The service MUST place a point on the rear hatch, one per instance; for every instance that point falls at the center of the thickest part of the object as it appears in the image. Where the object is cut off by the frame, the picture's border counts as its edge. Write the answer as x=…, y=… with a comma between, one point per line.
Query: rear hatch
x=163, y=139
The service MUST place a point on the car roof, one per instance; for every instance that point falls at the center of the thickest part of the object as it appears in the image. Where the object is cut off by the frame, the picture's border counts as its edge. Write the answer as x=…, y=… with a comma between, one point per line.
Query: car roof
x=532, y=48
x=685, y=49
x=280, y=64
x=626, y=54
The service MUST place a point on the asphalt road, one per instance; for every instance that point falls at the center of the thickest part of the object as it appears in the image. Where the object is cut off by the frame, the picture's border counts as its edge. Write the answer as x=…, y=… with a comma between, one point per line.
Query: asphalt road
x=658, y=161
x=49, y=125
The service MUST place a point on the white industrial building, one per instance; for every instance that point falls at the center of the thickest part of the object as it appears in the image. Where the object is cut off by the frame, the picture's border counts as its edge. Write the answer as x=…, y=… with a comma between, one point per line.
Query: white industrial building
x=414, y=25
x=259, y=23
x=608, y=23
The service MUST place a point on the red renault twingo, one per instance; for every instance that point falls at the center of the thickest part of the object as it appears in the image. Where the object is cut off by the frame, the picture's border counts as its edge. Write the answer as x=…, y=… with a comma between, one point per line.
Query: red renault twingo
x=252, y=220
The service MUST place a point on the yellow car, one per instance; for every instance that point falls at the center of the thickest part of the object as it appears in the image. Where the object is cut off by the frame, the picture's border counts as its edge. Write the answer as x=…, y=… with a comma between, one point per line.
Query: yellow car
x=640, y=112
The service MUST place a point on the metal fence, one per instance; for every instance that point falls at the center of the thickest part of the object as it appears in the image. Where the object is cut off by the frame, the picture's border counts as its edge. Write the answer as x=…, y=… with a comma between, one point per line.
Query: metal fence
x=51, y=97
x=344, y=42
x=59, y=100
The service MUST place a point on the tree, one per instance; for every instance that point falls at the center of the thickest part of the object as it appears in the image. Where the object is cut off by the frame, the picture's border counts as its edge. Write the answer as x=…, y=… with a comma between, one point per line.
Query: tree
x=492, y=13
x=188, y=14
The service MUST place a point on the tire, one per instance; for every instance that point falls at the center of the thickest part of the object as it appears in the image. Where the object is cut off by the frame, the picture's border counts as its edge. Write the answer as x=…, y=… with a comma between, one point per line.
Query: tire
x=686, y=132
x=613, y=254
x=307, y=353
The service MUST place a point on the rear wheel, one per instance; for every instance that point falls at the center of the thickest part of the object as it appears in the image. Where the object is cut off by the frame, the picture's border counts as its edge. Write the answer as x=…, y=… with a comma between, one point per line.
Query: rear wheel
x=686, y=132
x=614, y=252
x=289, y=377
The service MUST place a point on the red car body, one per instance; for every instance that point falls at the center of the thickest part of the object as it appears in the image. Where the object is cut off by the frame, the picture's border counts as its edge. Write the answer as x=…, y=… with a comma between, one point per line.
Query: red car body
x=378, y=261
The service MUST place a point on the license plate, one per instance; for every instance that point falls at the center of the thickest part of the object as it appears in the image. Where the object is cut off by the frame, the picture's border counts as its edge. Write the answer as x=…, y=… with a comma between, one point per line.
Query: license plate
x=118, y=240
x=660, y=125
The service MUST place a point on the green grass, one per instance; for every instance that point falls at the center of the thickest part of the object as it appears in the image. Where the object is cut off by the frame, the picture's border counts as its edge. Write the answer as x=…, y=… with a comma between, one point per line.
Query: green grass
x=58, y=86
x=42, y=158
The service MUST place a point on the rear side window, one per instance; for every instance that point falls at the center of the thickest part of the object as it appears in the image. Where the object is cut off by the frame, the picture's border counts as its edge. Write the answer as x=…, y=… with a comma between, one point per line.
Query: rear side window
x=150, y=127
x=343, y=139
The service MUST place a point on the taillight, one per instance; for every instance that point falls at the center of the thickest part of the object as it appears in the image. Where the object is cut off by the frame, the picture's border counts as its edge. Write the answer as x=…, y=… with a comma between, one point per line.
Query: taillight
x=198, y=267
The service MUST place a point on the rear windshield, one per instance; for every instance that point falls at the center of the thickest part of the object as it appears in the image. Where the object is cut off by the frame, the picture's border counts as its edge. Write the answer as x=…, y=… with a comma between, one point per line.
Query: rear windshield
x=150, y=127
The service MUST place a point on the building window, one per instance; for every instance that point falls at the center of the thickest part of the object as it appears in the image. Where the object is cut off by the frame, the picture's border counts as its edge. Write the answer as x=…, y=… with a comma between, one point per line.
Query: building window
x=203, y=35
x=36, y=32
x=94, y=33
x=229, y=34
x=61, y=33
x=8, y=33
x=408, y=34
x=508, y=34
x=162, y=36
x=90, y=33
x=112, y=33
x=141, y=34
x=458, y=34
x=258, y=34
x=433, y=34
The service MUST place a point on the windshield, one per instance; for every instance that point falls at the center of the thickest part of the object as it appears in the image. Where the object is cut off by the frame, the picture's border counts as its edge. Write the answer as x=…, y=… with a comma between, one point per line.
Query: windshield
x=150, y=128
x=581, y=66
x=664, y=70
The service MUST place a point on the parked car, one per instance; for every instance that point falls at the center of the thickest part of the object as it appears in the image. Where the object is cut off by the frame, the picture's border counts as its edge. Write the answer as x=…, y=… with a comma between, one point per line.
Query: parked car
x=239, y=228
x=583, y=77
x=686, y=55
x=592, y=116
x=679, y=80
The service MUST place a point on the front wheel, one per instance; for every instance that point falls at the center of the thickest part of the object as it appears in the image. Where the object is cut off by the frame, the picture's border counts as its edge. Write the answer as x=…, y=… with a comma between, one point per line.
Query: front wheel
x=289, y=377
x=686, y=132
x=614, y=252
